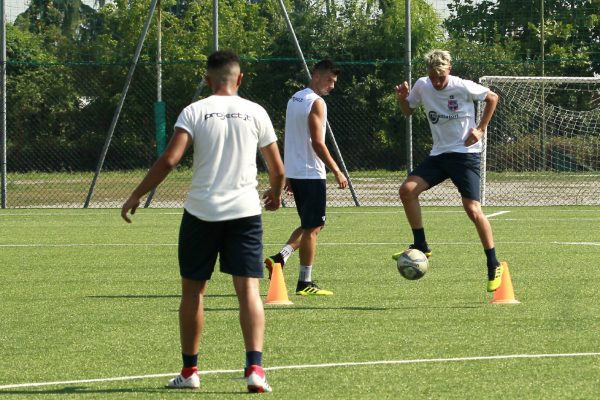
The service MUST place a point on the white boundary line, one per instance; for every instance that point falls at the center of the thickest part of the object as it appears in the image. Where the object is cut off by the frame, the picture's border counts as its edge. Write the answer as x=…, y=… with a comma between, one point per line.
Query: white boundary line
x=578, y=243
x=497, y=213
x=307, y=366
x=67, y=245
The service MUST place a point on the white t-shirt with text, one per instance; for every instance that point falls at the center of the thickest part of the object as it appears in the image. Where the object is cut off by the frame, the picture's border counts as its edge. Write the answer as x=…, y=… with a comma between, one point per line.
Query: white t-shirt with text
x=450, y=112
x=226, y=131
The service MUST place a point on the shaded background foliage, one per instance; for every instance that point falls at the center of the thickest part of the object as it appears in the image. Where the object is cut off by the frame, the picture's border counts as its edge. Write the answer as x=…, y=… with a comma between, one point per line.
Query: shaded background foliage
x=67, y=64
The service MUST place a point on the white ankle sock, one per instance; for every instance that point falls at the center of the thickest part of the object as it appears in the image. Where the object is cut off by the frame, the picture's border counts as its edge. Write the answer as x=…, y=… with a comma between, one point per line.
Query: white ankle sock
x=305, y=273
x=286, y=252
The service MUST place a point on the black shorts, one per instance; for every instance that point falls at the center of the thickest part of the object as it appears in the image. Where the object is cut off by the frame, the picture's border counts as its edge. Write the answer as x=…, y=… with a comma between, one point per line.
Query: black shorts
x=310, y=196
x=237, y=242
x=462, y=168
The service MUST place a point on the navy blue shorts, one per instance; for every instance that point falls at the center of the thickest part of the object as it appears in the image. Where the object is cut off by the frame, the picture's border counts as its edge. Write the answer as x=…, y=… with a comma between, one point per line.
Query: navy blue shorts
x=310, y=196
x=462, y=168
x=237, y=242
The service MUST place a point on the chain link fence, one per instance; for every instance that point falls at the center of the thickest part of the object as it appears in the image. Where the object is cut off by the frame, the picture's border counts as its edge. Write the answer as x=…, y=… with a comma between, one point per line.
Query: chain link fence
x=58, y=117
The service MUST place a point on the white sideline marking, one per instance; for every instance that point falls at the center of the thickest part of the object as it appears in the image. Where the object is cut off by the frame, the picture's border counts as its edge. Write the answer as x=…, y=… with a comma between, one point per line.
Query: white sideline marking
x=278, y=244
x=579, y=243
x=306, y=366
x=497, y=213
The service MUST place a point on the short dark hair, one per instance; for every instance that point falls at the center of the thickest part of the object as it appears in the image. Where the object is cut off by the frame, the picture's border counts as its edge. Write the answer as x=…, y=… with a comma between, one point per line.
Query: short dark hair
x=326, y=65
x=221, y=58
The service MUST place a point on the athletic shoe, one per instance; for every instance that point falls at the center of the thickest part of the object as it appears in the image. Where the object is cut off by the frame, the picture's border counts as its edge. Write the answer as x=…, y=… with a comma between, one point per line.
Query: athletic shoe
x=495, y=277
x=256, y=379
x=425, y=249
x=179, y=382
x=311, y=289
x=271, y=261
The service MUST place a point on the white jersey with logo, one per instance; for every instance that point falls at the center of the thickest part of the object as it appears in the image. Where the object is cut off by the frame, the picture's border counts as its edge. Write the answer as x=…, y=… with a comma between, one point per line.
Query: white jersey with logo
x=301, y=161
x=450, y=112
x=226, y=131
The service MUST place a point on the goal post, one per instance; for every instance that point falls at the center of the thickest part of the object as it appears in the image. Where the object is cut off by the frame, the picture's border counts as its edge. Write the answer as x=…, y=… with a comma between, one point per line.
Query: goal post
x=543, y=143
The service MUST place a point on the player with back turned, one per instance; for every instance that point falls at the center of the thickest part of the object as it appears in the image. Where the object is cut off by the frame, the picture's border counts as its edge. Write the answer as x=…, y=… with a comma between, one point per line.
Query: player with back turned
x=222, y=213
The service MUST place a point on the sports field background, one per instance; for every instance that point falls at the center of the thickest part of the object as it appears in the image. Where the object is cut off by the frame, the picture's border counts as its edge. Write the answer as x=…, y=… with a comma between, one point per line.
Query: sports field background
x=84, y=296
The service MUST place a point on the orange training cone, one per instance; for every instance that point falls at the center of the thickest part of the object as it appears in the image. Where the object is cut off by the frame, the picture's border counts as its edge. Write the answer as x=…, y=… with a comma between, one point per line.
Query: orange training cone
x=505, y=294
x=277, y=291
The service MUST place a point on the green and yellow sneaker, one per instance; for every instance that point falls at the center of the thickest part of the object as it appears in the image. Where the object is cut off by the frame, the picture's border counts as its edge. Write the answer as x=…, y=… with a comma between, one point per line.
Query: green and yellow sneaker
x=495, y=277
x=311, y=289
x=271, y=261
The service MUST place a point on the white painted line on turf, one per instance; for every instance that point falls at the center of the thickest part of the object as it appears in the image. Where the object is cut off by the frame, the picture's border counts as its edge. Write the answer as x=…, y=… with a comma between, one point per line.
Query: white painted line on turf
x=75, y=245
x=307, y=366
x=497, y=213
x=579, y=243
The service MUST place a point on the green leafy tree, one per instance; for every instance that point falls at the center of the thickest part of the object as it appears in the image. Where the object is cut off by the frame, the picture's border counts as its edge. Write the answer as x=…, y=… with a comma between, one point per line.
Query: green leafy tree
x=571, y=30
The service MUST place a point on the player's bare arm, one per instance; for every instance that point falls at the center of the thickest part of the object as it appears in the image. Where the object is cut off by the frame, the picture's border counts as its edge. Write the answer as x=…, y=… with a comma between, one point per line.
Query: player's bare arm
x=491, y=101
x=272, y=196
x=402, y=92
x=316, y=119
x=178, y=144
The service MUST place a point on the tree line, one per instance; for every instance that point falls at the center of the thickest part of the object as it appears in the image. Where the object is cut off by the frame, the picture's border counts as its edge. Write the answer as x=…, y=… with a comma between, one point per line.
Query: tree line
x=67, y=63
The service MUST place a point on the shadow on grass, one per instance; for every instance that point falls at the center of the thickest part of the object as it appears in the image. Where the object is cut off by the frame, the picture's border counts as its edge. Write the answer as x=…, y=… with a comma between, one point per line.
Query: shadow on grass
x=275, y=307
x=152, y=296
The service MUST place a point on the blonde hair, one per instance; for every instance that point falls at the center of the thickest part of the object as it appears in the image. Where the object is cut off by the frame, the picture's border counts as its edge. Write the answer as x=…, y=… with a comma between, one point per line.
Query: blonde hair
x=438, y=60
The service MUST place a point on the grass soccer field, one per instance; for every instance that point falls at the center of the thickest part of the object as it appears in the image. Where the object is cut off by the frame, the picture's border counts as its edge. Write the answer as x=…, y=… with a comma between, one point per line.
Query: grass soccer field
x=89, y=309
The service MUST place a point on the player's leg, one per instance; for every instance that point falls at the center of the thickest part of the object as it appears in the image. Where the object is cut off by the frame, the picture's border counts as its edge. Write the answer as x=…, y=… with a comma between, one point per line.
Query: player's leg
x=197, y=257
x=241, y=256
x=308, y=251
x=484, y=230
x=425, y=176
x=410, y=190
x=310, y=196
x=252, y=321
x=286, y=251
x=465, y=174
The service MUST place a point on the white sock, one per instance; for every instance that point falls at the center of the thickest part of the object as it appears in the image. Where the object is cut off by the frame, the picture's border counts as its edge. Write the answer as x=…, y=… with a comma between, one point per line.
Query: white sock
x=305, y=273
x=286, y=252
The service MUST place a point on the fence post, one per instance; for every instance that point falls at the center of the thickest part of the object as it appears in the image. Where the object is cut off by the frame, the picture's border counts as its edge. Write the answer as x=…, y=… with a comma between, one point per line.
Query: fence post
x=113, y=124
x=3, y=102
x=307, y=71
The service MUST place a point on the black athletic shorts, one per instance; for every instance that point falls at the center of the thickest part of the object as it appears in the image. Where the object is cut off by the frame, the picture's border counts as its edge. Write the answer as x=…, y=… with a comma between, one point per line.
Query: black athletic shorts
x=310, y=196
x=237, y=242
x=462, y=168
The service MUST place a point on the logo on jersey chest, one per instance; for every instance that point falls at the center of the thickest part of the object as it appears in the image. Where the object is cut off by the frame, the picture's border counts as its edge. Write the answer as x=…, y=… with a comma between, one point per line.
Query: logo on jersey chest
x=452, y=104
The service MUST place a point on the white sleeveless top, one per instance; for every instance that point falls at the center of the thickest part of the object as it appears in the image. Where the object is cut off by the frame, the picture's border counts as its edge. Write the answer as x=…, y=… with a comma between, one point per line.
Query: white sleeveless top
x=301, y=161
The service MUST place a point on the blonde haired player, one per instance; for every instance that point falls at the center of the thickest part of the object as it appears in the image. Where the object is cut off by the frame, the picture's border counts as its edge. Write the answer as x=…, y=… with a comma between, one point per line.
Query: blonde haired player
x=456, y=153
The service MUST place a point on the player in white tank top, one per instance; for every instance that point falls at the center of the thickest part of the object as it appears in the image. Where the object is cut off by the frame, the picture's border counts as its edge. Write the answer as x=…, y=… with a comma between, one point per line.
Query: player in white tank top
x=305, y=158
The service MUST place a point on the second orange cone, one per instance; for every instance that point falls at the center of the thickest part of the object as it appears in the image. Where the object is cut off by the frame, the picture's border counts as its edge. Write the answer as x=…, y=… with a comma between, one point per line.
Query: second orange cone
x=277, y=290
x=505, y=293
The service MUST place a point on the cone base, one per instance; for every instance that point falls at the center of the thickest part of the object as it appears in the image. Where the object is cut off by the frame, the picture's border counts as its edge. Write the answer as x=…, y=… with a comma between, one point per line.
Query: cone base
x=505, y=301
x=278, y=302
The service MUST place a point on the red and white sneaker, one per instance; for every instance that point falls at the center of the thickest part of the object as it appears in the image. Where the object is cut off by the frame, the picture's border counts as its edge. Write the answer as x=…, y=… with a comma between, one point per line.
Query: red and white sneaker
x=179, y=382
x=256, y=379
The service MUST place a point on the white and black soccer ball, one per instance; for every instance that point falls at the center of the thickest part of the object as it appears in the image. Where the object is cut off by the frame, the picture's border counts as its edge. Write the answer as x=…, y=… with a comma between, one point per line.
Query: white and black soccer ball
x=412, y=264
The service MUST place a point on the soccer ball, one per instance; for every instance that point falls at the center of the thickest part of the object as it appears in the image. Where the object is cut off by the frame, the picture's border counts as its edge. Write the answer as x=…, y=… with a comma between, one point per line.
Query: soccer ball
x=412, y=264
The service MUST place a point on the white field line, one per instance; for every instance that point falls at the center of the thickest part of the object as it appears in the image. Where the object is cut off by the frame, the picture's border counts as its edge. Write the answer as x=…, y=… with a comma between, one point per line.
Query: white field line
x=497, y=213
x=307, y=366
x=67, y=245
x=552, y=219
x=578, y=243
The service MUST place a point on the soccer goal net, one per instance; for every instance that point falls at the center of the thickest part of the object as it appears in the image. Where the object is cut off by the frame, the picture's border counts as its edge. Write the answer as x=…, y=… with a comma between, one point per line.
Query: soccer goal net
x=543, y=143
